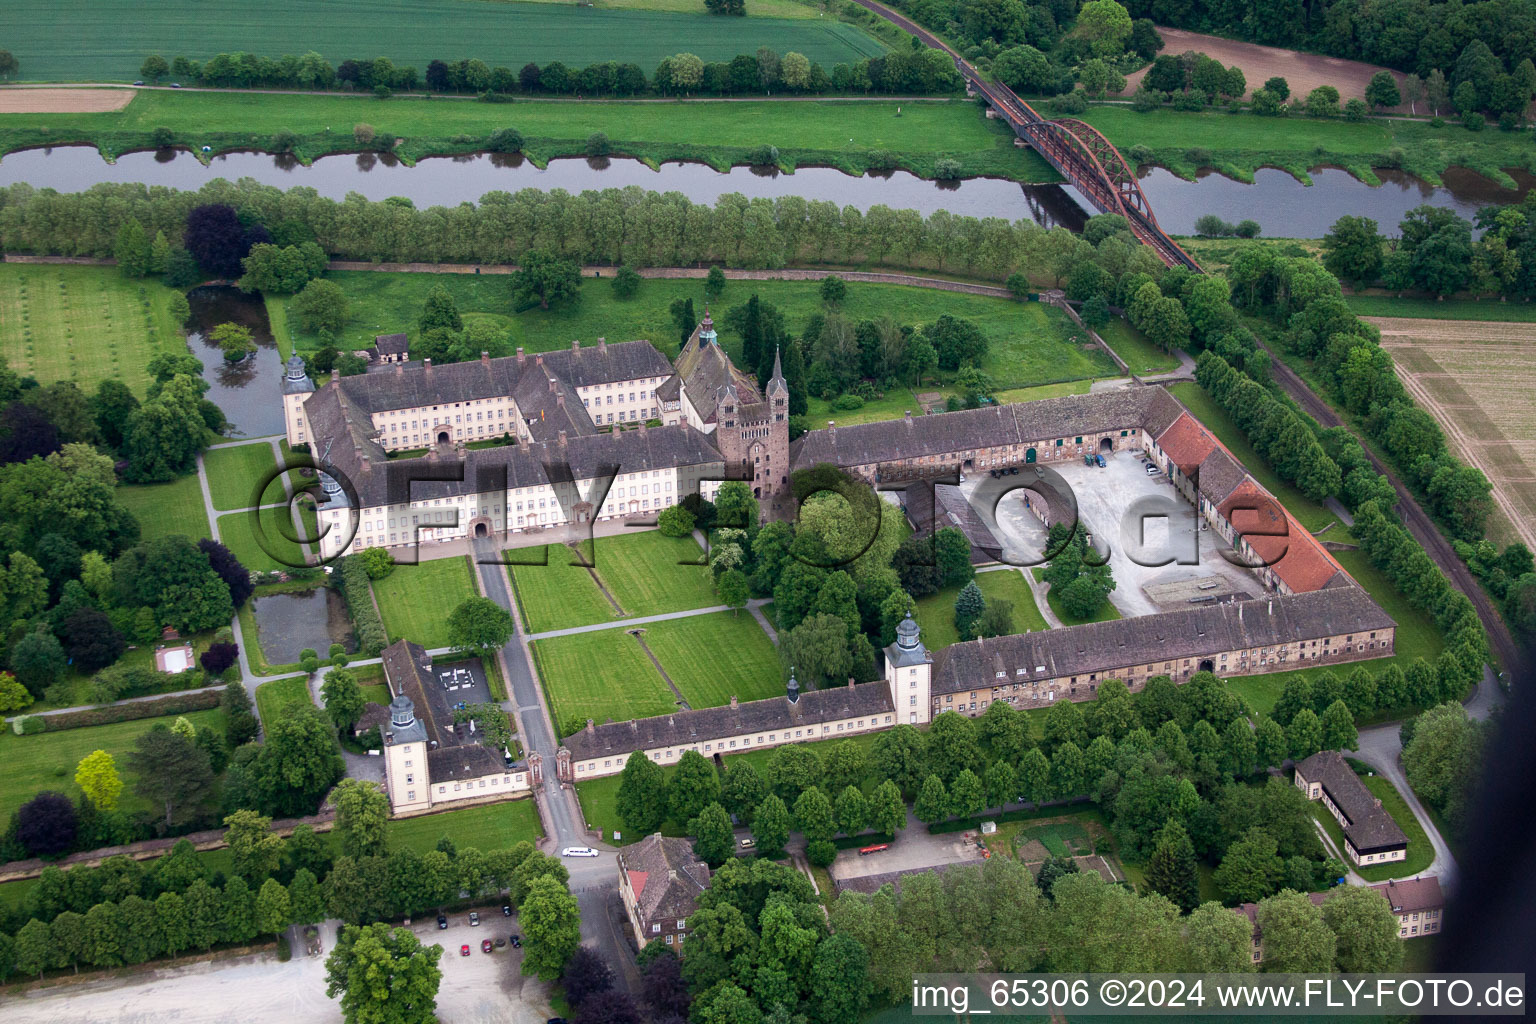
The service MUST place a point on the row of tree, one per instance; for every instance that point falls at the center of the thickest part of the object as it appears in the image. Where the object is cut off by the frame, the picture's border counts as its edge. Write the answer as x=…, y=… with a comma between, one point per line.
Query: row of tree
x=764, y=72
x=1436, y=253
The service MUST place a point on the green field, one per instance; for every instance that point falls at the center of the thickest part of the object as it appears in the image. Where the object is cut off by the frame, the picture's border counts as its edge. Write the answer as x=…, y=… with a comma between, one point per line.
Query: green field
x=270, y=697
x=1139, y=354
x=1027, y=342
x=485, y=827
x=31, y=764
x=234, y=472
x=602, y=676
x=162, y=509
x=80, y=41
x=83, y=324
x=416, y=600
x=273, y=550
x=648, y=573
x=1447, y=309
x=558, y=595
x=715, y=657
x=936, y=612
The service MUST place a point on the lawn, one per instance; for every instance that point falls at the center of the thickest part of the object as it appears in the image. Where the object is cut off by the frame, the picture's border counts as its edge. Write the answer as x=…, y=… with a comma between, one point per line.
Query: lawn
x=1420, y=851
x=1027, y=342
x=486, y=827
x=1106, y=611
x=30, y=764
x=1039, y=391
x=270, y=697
x=648, y=573
x=1139, y=354
x=1447, y=309
x=603, y=676
x=235, y=472
x=936, y=612
x=273, y=549
x=557, y=595
x=416, y=600
x=712, y=658
x=163, y=509
x=83, y=324
x=76, y=40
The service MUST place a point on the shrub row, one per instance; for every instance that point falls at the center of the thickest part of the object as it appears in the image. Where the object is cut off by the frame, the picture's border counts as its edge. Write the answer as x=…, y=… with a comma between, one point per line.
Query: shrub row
x=352, y=578
x=200, y=700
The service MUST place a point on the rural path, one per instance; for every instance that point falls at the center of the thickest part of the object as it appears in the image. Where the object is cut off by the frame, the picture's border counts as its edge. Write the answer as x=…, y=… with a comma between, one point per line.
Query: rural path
x=640, y=620
x=1350, y=874
x=472, y=98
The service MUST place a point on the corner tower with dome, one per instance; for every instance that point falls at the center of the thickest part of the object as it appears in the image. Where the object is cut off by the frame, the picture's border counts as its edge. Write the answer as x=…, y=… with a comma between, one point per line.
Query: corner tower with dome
x=909, y=674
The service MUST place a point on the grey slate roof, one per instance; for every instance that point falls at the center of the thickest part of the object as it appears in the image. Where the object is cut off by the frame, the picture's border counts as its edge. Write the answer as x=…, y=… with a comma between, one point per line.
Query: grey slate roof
x=705, y=372
x=666, y=878
x=932, y=507
x=467, y=761
x=391, y=344
x=296, y=378
x=408, y=669
x=1219, y=475
x=1368, y=826
x=685, y=728
x=1200, y=631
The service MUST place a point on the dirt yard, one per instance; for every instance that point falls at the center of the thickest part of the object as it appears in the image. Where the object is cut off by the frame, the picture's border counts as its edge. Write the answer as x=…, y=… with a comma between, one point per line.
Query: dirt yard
x=63, y=101
x=1303, y=71
x=1476, y=378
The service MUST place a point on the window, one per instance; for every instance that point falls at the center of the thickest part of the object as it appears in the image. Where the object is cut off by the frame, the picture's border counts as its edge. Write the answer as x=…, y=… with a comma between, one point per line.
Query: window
x=655, y=929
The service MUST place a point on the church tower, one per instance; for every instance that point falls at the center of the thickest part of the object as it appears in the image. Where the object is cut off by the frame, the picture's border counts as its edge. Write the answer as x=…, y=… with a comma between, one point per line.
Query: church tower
x=909, y=675
x=776, y=442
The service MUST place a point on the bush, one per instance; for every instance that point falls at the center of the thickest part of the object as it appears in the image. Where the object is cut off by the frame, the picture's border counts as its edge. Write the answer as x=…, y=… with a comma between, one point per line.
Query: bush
x=200, y=700
x=352, y=578
x=1191, y=99
x=1140, y=153
x=377, y=563
x=597, y=145
x=162, y=137
x=626, y=283
x=881, y=160
x=1355, y=110
x=1208, y=225
x=1247, y=229
x=1144, y=99
x=382, y=92
x=283, y=142
x=505, y=140
x=1509, y=121
x=1472, y=121
x=675, y=521
x=29, y=725
x=1072, y=103
x=1199, y=156
x=947, y=169
x=763, y=156
x=847, y=403
x=820, y=853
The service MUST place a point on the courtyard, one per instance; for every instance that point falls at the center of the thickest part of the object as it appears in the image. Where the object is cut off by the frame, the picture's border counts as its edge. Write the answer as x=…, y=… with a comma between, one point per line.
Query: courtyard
x=1126, y=510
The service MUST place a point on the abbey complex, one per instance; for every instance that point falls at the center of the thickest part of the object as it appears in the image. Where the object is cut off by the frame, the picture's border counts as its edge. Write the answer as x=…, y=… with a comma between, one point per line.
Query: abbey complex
x=580, y=445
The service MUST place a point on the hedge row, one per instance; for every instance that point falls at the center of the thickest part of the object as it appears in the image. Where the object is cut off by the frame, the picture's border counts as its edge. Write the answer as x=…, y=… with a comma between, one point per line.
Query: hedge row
x=352, y=578
x=199, y=700
x=1021, y=814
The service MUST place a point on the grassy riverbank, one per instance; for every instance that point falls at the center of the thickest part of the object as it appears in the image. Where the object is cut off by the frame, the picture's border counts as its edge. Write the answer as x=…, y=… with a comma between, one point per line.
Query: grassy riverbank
x=106, y=40
x=718, y=133
x=1239, y=144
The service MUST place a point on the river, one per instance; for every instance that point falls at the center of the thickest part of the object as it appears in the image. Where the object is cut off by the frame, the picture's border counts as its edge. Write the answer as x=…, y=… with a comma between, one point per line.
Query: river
x=1282, y=206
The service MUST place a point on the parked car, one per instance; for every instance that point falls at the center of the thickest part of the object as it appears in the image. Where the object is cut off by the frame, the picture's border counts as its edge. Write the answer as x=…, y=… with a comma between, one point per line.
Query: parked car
x=1151, y=469
x=1099, y=459
x=517, y=942
x=487, y=945
x=747, y=844
x=578, y=851
x=442, y=921
x=993, y=472
x=506, y=910
x=139, y=82
x=175, y=85
x=474, y=919
x=464, y=950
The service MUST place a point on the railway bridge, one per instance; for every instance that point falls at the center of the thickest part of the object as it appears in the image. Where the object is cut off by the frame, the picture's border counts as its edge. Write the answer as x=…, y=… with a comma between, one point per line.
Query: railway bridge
x=1077, y=150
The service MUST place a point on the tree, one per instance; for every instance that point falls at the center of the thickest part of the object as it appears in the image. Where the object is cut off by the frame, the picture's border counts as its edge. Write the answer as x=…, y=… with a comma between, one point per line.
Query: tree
x=256, y=851
x=743, y=790
x=321, y=307
x=46, y=825
x=1365, y=931
x=967, y=797
x=695, y=784
x=626, y=283
x=479, y=626
x=216, y=239
x=1323, y=102
x=546, y=278
x=242, y=725
x=551, y=924
x=833, y=291
x=175, y=926
x=384, y=974
x=715, y=842
x=131, y=250
x=1338, y=725
x=228, y=568
x=1105, y=25
x=342, y=697
x=362, y=814
x=97, y=777
x=840, y=985
x=13, y=696
x=1294, y=935
x=1352, y=250
x=273, y=910
x=932, y=804
x=154, y=68
x=586, y=974
x=886, y=812
x=956, y=341
x=1382, y=90
x=1251, y=868
x=851, y=811
x=642, y=797
x=1217, y=941
x=714, y=282
x=37, y=659
x=968, y=608
x=172, y=773
x=813, y=815
x=1304, y=736
x=35, y=948
x=818, y=649
x=298, y=762
x=1172, y=869
x=770, y=827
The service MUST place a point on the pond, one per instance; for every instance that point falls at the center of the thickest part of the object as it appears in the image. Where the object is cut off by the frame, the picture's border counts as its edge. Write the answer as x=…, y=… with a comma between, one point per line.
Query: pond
x=288, y=623
x=250, y=391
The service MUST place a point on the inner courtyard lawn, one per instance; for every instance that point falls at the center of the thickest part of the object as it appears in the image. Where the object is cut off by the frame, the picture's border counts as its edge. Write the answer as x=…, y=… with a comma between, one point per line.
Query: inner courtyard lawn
x=1139, y=354
x=556, y=595
x=164, y=509
x=714, y=657
x=234, y=473
x=648, y=573
x=31, y=764
x=83, y=324
x=1028, y=343
x=936, y=612
x=273, y=549
x=271, y=697
x=416, y=600
x=603, y=676
x=486, y=827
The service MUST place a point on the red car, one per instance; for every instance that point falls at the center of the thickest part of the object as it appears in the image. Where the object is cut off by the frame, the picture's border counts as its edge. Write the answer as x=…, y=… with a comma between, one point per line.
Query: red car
x=485, y=946
x=464, y=950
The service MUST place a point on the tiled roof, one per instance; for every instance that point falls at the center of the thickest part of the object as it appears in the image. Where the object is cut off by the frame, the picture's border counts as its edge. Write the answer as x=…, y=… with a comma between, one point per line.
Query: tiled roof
x=1412, y=895
x=932, y=507
x=408, y=669
x=1291, y=553
x=391, y=344
x=1219, y=475
x=466, y=761
x=705, y=372
x=665, y=877
x=1187, y=443
x=701, y=725
x=1197, y=632
x=1369, y=827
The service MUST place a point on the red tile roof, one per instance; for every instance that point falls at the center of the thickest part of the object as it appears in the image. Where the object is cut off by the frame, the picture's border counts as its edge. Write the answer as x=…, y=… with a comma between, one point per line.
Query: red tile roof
x=1296, y=557
x=637, y=881
x=1187, y=443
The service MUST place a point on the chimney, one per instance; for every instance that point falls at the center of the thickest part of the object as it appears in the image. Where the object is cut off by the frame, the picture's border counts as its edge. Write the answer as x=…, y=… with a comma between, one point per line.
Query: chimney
x=427, y=363
x=336, y=381
x=909, y=417
x=850, y=682
x=602, y=345
x=560, y=399
x=642, y=426
x=399, y=369
x=521, y=357
x=733, y=700
x=832, y=430
x=485, y=358
x=575, y=346
x=590, y=727
x=538, y=359
x=552, y=386
x=562, y=439
x=671, y=874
